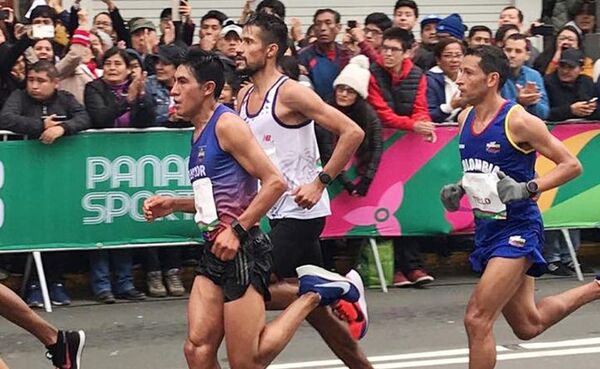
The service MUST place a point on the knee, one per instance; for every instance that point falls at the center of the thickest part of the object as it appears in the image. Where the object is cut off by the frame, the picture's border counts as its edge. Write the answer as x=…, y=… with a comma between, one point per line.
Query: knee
x=198, y=350
x=477, y=322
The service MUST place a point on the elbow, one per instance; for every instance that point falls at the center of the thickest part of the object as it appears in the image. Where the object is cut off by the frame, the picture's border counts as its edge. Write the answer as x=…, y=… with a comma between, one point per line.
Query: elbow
x=357, y=135
x=575, y=167
x=279, y=185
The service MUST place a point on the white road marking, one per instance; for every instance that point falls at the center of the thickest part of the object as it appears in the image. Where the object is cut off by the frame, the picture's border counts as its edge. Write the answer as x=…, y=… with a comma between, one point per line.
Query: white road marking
x=460, y=356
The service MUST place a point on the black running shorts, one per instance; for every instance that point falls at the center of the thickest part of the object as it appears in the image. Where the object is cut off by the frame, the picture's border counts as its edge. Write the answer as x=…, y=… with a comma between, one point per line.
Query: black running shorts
x=251, y=266
x=295, y=243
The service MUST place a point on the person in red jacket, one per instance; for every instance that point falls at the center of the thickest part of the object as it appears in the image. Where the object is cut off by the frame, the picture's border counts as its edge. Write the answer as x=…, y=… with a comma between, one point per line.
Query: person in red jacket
x=398, y=88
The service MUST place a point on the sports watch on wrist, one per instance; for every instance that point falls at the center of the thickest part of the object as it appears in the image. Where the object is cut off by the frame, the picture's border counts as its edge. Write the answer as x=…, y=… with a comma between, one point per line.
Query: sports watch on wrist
x=239, y=230
x=532, y=187
x=324, y=178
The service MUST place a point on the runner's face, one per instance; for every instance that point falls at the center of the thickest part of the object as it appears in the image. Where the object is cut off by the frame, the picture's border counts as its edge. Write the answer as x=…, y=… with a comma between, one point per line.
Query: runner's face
x=252, y=51
x=185, y=92
x=472, y=81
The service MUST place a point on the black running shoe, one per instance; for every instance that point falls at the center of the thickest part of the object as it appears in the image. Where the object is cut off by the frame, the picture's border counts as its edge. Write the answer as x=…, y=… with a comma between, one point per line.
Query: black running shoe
x=66, y=352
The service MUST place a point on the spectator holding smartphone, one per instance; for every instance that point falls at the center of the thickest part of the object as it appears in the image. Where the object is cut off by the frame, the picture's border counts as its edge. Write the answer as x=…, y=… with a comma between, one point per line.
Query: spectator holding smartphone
x=525, y=85
x=572, y=95
x=567, y=37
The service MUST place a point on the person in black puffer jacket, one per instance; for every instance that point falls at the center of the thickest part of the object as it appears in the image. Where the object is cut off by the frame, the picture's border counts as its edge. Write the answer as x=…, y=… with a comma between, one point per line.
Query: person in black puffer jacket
x=350, y=92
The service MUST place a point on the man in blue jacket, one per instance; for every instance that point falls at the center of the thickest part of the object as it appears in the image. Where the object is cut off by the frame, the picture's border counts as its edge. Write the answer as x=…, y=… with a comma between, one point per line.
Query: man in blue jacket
x=525, y=85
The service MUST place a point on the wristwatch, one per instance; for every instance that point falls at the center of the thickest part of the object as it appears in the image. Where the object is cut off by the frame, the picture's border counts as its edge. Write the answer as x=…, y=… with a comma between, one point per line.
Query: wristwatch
x=324, y=178
x=239, y=230
x=532, y=188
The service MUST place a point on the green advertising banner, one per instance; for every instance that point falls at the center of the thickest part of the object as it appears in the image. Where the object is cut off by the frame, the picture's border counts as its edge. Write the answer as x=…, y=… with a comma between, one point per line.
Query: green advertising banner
x=87, y=191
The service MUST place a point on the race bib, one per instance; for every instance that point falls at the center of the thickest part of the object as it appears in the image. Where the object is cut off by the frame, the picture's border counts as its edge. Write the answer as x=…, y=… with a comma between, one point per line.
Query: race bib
x=206, y=210
x=482, y=191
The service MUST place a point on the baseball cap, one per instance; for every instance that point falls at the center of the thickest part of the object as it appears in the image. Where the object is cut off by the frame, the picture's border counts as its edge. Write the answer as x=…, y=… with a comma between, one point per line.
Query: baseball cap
x=432, y=18
x=572, y=57
x=141, y=23
x=171, y=54
x=231, y=26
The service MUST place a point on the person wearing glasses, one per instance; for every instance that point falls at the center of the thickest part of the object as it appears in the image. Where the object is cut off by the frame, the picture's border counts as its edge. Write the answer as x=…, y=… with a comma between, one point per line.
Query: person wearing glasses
x=443, y=98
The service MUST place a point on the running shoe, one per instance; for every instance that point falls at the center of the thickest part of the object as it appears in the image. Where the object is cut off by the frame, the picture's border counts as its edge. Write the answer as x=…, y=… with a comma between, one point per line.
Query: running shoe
x=330, y=286
x=59, y=295
x=418, y=277
x=355, y=314
x=400, y=280
x=66, y=352
x=34, y=297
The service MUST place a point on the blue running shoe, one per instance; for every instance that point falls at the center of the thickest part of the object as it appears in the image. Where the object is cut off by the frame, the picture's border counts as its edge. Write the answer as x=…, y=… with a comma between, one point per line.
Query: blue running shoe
x=58, y=295
x=34, y=297
x=330, y=286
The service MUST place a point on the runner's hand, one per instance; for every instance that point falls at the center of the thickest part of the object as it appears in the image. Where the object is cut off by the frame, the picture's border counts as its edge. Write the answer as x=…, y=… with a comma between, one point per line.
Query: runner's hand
x=451, y=195
x=226, y=245
x=307, y=195
x=158, y=206
x=511, y=190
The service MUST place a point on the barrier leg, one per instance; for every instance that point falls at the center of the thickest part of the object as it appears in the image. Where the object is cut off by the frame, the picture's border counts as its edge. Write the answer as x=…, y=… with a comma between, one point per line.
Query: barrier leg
x=375, y=251
x=37, y=257
x=567, y=236
x=26, y=275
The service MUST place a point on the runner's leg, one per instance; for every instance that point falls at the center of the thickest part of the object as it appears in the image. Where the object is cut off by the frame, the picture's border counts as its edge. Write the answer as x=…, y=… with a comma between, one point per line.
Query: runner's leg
x=499, y=282
x=16, y=311
x=334, y=332
x=205, y=324
x=250, y=343
x=528, y=319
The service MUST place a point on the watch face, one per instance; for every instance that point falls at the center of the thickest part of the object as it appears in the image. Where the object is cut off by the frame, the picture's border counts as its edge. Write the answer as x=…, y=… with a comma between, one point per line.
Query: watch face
x=324, y=178
x=532, y=186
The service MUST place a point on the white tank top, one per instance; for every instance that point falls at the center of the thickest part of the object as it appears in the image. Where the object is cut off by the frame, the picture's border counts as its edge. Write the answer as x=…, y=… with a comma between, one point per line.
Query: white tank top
x=293, y=149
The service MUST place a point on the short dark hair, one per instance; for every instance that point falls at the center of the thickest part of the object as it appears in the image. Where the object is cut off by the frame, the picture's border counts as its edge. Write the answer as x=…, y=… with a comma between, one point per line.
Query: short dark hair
x=519, y=12
x=518, y=37
x=118, y=51
x=381, y=20
x=42, y=11
x=336, y=15
x=290, y=67
x=501, y=31
x=493, y=60
x=276, y=6
x=438, y=49
x=272, y=30
x=206, y=66
x=480, y=28
x=408, y=3
x=405, y=37
x=214, y=14
x=44, y=66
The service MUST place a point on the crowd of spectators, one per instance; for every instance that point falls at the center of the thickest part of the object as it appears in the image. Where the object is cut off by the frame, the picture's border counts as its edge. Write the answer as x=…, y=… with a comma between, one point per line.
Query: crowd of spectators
x=62, y=73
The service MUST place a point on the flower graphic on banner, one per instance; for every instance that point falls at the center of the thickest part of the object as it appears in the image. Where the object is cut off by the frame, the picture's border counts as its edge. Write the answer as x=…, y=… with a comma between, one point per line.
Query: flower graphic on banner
x=382, y=214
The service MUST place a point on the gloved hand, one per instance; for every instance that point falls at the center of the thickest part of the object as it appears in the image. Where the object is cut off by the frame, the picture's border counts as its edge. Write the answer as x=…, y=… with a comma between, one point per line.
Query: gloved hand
x=451, y=195
x=363, y=186
x=511, y=190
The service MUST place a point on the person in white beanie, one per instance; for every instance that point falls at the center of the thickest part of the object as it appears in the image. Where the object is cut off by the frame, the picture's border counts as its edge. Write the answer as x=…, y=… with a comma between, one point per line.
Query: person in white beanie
x=350, y=93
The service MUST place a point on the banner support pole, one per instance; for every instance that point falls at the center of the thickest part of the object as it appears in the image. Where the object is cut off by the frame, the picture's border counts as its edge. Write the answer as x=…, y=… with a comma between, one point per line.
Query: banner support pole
x=567, y=236
x=37, y=257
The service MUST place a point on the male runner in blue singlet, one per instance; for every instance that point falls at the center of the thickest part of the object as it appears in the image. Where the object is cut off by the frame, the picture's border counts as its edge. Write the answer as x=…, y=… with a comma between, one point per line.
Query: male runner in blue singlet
x=231, y=286
x=498, y=144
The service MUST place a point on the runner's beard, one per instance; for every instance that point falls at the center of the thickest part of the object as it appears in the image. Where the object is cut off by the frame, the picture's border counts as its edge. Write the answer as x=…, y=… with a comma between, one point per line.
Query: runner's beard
x=251, y=70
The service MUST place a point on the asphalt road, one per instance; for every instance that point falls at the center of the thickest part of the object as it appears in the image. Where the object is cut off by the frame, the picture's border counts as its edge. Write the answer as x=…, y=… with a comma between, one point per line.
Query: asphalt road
x=409, y=329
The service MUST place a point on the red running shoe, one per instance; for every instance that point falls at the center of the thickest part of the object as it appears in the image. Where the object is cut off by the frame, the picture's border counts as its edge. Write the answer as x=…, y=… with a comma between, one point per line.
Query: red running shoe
x=418, y=277
x=355, y=314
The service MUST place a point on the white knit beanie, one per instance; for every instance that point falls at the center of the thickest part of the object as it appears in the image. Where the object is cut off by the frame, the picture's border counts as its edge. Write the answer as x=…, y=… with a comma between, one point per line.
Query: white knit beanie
x=356, y=75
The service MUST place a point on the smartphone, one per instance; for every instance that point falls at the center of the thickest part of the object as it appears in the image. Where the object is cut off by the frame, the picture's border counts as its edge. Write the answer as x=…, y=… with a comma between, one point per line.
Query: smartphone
x=60, y=118
x=592, y=100
x=352, y=24
x=4, y=14
x=175, y=16
x=42, y=31
x=542, y=30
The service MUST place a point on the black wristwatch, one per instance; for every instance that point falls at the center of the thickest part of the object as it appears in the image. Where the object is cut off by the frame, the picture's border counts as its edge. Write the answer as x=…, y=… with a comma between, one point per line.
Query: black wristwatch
x=324, y=178
x=239, y=230
x=532, y=188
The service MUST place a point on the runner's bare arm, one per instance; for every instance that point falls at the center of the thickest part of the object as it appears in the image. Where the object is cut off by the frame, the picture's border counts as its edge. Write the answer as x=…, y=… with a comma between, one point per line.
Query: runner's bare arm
x=461, y=118
x=240, y=96
x=236, y=138
x=530, y=132
x=304, y=100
